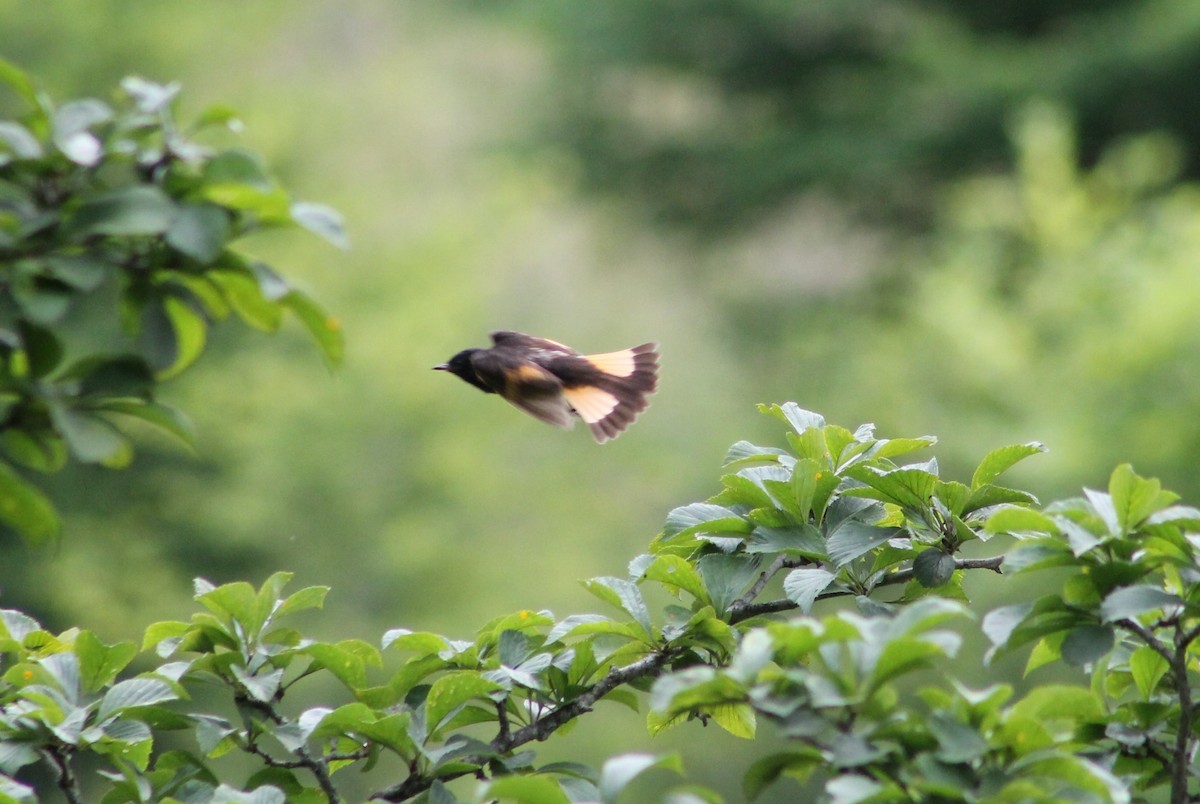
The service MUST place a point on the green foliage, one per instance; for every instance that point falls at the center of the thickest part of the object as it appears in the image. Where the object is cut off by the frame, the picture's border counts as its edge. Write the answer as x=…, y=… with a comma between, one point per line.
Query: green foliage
x=113, y=210
x=859, y=694
x=716, y=114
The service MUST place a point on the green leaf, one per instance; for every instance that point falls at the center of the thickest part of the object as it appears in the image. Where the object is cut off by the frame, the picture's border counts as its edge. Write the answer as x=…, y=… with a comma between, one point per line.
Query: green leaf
x=43, y=301
x=798, y=763
x=624, y=595
x=266, y=794
x=190, y=332
x=310, y=597
x=42, y=451
x=791, y=413
x=347, y=660
x=527, y=789
x=451, y=691
x=933, y=567
x=618, y=772
x=325, y=329
x=70, y=124
x=726, y=577
x=803, y=586
x=82, y=272
x=998, y=461
x=854, y=539
x=1058, y=702
x=322, y=221
x=1136, y=498
x=1147, y=667
x=18, y=141
x=1132, y=601
x=132, y=693
x=200, y=231
x=100, y=663
x=736, y=718
x=162, y=416
x=1020, y=521
x=42, y=347
x=237, y=166
x=25, y=509
x=803, y=540
x=1087, y=643
x=999, y=624
x=703, y=518
x=13, y=792
x=90, y=438
x=894, y=447
x=112, y=376
x=957, y=742
x=743, y=452
x=244, y=294
x=907, y=487
x=20, y=82
x=677, y=573
x=136, y=210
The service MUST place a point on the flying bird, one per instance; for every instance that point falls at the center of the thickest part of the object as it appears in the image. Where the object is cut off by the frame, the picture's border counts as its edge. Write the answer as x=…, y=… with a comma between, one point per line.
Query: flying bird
x=550, y=381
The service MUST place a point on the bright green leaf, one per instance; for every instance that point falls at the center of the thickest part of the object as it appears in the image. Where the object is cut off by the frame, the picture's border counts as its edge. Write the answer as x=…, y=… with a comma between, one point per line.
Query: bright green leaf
x=619, y=771
x=200, y=231
x=527, y=789
x=321, y=220
x=1087, y=643
x=1133, y=601
x=998, y=461
x=802, y=586
x=25, y=509
x=1147, y=667
x=453, y=690
x=139, y=209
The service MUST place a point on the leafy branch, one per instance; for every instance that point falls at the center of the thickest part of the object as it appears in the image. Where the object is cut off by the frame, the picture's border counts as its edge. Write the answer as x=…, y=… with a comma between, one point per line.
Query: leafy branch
x=103, y=201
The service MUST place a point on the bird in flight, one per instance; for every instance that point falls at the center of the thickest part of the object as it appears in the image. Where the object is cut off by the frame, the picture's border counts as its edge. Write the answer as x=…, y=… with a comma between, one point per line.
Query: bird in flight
x=550, y=381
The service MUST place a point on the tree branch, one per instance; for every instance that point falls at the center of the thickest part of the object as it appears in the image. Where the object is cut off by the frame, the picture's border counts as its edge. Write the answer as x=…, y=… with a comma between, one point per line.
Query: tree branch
x=58, y=760
x=317, y=767
x=543, y=727
x=1180, y=767
x=903, y=576
x=764, y=577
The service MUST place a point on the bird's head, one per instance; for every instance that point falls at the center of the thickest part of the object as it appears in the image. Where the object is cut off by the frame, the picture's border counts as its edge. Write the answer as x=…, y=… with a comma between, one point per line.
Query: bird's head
x=460, y=366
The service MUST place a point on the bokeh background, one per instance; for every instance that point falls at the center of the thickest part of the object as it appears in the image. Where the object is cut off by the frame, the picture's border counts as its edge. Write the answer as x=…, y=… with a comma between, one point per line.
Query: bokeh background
x=978, y=221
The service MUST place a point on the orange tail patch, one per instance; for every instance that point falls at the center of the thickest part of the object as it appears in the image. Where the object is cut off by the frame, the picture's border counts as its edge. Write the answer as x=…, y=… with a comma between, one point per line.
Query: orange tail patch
x=613, y=402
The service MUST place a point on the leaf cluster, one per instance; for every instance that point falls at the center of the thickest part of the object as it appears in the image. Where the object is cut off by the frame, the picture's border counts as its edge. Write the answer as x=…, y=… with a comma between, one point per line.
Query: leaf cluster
x=833, y=516
x=113, y=212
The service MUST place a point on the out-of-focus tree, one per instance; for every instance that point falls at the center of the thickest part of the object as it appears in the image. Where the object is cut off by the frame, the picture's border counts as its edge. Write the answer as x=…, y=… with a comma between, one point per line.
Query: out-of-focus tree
x=1056, y=299
x=715, y=114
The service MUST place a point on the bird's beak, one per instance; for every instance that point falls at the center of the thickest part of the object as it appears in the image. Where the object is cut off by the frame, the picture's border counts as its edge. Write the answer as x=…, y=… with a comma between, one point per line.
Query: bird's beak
x=442, y=367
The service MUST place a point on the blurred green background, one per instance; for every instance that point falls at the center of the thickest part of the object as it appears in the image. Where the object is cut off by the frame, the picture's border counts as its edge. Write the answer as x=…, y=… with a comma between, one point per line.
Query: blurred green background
x=972, y=220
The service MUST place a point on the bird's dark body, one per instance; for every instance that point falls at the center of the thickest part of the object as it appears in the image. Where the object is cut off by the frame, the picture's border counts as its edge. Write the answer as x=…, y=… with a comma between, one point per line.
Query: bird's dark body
x=551, y=381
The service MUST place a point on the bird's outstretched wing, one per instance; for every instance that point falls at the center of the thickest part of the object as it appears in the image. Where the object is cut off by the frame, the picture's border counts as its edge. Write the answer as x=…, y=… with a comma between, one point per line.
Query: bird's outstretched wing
x=524, y=384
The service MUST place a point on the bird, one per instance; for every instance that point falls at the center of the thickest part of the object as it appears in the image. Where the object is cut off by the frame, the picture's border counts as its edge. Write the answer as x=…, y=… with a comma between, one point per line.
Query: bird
x=551, y=381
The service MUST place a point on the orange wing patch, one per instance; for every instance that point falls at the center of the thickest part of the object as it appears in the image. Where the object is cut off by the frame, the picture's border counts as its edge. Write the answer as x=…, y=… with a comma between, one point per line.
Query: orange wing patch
x=616, y=364
x=591, y=403
x=531, y=373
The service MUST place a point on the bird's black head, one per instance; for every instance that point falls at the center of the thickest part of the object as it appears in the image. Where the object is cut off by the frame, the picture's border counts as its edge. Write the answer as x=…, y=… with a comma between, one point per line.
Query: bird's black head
x=460, y=366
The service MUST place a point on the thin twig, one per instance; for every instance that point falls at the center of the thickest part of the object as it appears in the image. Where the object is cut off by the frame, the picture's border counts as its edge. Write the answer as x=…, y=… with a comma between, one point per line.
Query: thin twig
x=502, y=718
x=543, y=727
x=1181, y=767
x=317, y=767
x=903, y=576
x=764, y=577
x=58, y=760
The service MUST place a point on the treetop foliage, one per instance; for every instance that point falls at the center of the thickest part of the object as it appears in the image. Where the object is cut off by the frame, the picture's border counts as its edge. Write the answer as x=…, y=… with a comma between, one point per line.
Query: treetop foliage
x=835, y=514
x=111, y=212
